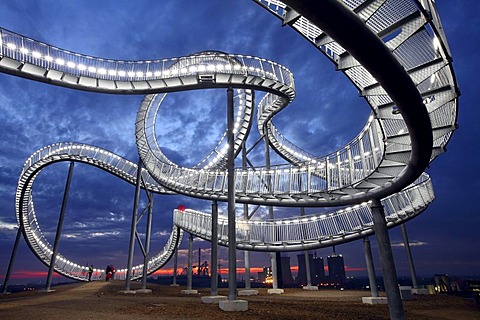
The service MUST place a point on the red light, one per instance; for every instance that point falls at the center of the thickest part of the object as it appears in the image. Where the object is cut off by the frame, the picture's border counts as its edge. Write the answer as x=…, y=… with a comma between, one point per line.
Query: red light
x=181, y=207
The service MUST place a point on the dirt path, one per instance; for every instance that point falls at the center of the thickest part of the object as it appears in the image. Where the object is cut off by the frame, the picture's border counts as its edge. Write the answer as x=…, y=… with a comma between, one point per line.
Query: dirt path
x=100, y=300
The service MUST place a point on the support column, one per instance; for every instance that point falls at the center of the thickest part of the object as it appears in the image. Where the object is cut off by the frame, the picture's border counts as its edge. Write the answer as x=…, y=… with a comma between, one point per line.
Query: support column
x=273, y=255
x=245, y=216
x=409, y=256
x=370, y=267
x=232, y=304
x=12, y=260
x=307, y=260
x=133, y=228
x=147, y=241
x=59, y=227
x=175, y=267
x=214, y=255
x=390, y=280
x=232, y=250
x=190, y=262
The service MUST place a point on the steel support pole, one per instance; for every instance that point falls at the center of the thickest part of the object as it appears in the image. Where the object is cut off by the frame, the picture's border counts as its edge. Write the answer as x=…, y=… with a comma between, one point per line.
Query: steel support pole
x=214, y=255
x=409, y=256
x=246, y=253
x=232, y=250
x=273, y=255
x=372, y=279
x=390, y=280
x=190, y=262
x=307, y=258
x=175, y=265
x=12, y=260
x=133, y=228
x=148, y=233
x=59, y=227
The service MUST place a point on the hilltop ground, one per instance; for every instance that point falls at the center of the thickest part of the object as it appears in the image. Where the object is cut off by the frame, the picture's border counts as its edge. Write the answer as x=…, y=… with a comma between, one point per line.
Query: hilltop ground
x=100, y=300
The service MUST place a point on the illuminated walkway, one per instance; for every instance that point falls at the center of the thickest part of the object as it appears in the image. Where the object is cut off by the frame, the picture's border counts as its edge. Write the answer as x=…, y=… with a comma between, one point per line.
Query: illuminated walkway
x=398, y=60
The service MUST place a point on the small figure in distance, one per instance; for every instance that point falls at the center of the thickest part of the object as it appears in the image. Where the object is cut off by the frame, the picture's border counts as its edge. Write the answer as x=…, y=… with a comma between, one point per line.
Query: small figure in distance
x=109, y=272
x=90, y=272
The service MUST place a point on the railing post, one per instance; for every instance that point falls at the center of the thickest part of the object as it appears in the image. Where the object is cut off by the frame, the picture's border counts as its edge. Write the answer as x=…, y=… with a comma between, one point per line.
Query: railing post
x=390, y=280
x=59, y=227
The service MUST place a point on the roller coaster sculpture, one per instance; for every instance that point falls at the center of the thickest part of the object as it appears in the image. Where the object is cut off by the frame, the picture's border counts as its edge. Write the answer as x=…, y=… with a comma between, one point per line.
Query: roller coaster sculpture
x=398, y=60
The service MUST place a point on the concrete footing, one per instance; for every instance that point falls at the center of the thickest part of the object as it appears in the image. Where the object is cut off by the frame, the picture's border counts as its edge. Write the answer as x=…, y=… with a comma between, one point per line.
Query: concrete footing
x=275, y=291
x=127, y=291
x=143, y=291
x=213, y=299
x=48, y=291
x=420, y=291
x=233, y=305
x=174, y=285
x=310, y=288
x=248, y=292
x=405, y=292
x=375, y=300
x=189, y=292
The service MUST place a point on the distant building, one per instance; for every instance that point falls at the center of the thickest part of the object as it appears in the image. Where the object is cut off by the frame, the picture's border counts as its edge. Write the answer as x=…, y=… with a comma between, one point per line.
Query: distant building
x=317, y=271
x=287, y=277
x=336, y=269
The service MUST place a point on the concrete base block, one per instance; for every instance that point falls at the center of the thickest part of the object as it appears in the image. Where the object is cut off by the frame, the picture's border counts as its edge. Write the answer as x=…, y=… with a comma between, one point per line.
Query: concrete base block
x=310, y=288
x=233, y=305
x=213, y=299
x=247, y=292
x=143, y=291
x=420, y=291
x=374, y=300
x=49, y=290
x=405, y=292
x=189, y=292
x=275, y=291
x=127, y=291
x=174, y=285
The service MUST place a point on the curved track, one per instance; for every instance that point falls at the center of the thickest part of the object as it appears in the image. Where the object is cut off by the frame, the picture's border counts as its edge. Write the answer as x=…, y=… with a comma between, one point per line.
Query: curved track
x=393, y=51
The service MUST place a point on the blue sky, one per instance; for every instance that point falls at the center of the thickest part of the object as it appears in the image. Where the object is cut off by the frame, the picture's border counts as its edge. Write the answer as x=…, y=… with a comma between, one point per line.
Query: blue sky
x=326, y=114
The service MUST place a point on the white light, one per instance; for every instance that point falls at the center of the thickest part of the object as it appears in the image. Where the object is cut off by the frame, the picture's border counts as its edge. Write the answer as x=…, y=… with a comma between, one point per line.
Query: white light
x=60, y=62
x=158, y=73
x=121, y=73
x=201, y=68
x=166, y=73
x=102, y=71
x=356, y=157
x=112, y=72
x=24, y=50
x=131, y=73
x=11, y=46
x=192, y=69
x=36, y=54
x=183, y=70
x=139, y=74
x=82, y=67
x=219, y=66
x=92, y=69
x=70, y=64
x=211, y=67
x=228, y=67
x=237, y=67
x=432, y=79
x=48, y=58
x=148, y=74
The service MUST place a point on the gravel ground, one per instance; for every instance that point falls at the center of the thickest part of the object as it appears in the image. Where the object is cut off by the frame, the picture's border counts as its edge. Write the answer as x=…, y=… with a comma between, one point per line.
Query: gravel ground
x=101, y=300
